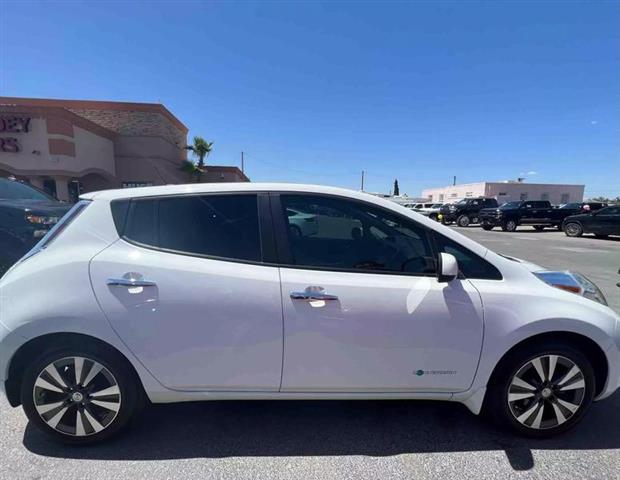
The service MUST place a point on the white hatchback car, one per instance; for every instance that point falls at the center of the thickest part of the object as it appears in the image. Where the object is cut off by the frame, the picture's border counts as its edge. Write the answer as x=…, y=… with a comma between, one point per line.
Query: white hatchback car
x=203, y=292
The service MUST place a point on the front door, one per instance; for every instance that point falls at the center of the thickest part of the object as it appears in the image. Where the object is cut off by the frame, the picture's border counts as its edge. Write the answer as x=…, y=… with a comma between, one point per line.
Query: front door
x=185, y=290
x=363, y=309
x=607, y=221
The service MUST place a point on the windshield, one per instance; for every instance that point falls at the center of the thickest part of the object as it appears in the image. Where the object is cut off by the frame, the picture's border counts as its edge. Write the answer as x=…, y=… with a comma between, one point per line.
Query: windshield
x=462, y=202
x=572, y=206
x=510, y=205
x=13, y=190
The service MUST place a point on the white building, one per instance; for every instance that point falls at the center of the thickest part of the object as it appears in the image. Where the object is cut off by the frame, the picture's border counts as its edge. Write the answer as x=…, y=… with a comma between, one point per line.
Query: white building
x=507, y=191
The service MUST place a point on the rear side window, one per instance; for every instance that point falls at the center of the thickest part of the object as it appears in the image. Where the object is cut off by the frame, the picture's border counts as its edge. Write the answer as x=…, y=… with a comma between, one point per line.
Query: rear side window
x=470, y=264
x=223, y=226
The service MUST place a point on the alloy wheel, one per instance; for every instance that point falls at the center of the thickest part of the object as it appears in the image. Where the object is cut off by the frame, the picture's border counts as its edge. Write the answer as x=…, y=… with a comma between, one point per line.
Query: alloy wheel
x=572, y=230
x=76, y=396
x=546, y=392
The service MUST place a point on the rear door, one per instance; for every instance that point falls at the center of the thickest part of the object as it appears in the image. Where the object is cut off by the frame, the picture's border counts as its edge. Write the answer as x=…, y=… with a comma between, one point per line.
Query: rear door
x=186, y=290
x=363, y=309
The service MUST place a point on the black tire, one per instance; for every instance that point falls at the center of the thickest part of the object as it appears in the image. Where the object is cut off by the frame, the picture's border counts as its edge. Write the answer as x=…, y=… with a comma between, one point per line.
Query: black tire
x=130, y=398
x=487, y=227
x=539, y=228
x=573, y=229
x=509, y=226
x=463, y=221
x=433, y=216
x=502, y=410
x=475, y=219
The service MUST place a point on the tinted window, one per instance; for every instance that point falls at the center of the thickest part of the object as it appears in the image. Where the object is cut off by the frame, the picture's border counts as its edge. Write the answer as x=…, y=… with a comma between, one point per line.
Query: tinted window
x=609, y=211
x=213, y=225
x=510, y=205
x=341, y=234
x=470, y=264
x=140, y=226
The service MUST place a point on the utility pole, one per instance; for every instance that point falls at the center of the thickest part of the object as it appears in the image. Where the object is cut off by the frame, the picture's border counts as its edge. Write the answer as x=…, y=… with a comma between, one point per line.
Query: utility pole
x=242, y=166
x=454, y=180
x=362, y=180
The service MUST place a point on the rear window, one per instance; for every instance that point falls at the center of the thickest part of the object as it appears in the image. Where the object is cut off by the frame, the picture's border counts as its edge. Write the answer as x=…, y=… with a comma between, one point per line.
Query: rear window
x=222, y=226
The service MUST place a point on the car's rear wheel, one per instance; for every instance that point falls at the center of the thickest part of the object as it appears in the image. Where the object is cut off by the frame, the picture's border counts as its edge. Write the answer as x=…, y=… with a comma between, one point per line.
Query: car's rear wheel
x=542, y=391
x=487, y=227
x=79, y=395
x=463, y=221
x=509, y=226
x=573, y=229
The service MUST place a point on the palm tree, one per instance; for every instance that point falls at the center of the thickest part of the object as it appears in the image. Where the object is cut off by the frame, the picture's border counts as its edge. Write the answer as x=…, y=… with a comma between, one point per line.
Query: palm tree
x=201, y=149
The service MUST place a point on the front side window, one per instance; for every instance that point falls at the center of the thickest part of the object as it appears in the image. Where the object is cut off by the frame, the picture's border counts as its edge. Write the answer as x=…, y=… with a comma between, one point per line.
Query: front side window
x=223, y=226
x=339, y=234
x=609, y=211
x=470, y=264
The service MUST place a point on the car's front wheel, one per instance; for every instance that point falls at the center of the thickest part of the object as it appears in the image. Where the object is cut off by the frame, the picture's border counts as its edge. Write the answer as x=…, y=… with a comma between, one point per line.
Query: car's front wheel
x=463, y=221
x=541, y=392
x=79, y=395
x=509, y=226
x=573, y=229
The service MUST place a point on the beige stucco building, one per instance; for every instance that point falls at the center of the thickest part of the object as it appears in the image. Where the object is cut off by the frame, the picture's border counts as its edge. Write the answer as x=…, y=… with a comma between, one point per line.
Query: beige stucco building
x=507, y=191
x=68, y=147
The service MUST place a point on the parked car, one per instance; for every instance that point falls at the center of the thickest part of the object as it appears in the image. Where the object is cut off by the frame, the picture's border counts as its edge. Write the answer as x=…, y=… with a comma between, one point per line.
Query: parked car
x=202, y=292
x=465, y=211
x=431, y=210
x=26, y=215
x=601, y=223
x=535, y=213
x=301, y=224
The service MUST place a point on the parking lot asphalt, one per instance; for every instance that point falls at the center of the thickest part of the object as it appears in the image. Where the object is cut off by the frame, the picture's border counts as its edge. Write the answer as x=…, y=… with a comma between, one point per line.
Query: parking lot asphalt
x=340, y=439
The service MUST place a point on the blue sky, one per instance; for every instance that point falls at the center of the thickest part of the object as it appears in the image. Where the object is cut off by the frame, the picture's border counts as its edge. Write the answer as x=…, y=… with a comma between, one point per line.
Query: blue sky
x=317, y=92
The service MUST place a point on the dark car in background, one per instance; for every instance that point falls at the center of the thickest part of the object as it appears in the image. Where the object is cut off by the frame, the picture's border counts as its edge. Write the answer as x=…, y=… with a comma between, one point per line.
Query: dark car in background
x=26, y=215
x=465, y=211
x=601, y=223
x=535, y=213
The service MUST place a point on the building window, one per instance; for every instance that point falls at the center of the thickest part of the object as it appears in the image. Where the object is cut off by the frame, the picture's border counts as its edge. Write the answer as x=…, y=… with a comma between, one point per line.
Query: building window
x=565, y=197
x=453, y=195
x=544, y=196
x=501, y=194
x=136, y=184
x=441, y=197
x=469, y=194
x=523, y=196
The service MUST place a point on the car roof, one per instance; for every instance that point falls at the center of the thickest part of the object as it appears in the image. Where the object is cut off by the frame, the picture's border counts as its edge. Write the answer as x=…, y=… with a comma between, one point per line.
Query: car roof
x=197, y=188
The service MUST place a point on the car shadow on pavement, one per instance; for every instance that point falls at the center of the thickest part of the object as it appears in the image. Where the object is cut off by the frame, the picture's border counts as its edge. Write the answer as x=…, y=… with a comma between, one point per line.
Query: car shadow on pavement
x=319, y=428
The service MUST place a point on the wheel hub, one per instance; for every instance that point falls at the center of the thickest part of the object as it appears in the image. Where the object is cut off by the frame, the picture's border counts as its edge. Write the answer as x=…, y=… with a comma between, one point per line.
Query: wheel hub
x=546, y=392
x=77, y=397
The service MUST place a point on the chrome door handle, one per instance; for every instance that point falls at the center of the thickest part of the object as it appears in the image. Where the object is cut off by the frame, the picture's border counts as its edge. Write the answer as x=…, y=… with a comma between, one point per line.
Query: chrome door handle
x=313, y=293
x=131, y=280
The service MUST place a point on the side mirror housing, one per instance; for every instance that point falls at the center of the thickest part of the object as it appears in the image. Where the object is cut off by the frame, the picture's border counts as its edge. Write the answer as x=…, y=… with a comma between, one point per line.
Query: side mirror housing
x=448, y=268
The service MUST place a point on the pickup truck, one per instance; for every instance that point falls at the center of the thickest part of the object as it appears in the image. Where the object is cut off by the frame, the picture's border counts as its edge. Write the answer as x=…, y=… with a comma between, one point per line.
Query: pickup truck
x=465, y=211
x=536, y=213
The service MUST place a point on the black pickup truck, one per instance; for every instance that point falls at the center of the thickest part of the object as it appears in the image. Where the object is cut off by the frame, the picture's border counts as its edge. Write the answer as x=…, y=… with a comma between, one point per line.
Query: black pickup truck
x=26, y=215
x=465, y=211
x=536, y=213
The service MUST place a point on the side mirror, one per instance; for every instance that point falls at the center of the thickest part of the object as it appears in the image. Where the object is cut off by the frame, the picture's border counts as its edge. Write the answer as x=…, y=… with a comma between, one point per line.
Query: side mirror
x=448, y=268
